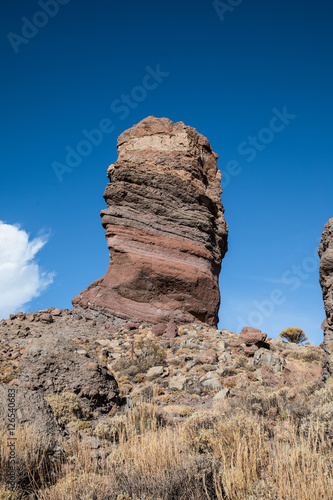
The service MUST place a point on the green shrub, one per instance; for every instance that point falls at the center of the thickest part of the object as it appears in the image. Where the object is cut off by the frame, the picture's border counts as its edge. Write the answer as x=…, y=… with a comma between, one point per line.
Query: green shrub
x=294, y=335
x=68, y=409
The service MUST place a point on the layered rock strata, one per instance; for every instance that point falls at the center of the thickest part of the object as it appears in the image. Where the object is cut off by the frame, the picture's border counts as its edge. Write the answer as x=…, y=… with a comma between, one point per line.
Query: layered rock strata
x=164, y=226
x=326, y=281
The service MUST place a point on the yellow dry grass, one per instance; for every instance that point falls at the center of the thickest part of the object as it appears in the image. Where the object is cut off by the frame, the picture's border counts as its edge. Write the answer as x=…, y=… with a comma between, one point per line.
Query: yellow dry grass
x=212, y=454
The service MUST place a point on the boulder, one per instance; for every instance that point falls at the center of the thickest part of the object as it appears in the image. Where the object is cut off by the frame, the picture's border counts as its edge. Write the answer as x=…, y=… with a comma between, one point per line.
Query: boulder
x=264, y=357
x=159, y=329
x=155, y=371
x=250, y=336
x=250, y=340
x=296, y=374
x=171, y=330
x=222, y=394
x=177, y=382
x=208, y=357
x=46, y=318
x=249, y=350
x=51, y=364
x=56, y=312
x=268, y=378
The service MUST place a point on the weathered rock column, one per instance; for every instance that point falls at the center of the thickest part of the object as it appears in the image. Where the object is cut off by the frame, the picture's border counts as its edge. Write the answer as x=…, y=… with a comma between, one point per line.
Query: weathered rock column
x=164, y=226
x=326, y=281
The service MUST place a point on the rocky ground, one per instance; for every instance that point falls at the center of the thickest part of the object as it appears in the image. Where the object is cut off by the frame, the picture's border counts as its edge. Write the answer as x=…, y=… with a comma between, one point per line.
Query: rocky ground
x=107, y=389
x=55, y=351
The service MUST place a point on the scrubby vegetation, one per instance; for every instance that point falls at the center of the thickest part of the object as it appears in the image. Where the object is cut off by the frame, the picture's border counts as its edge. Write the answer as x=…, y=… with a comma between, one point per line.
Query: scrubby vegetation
x=199, y=416
x=294, y=335
x=69, y=410
x=33, y=462
x=258, y=446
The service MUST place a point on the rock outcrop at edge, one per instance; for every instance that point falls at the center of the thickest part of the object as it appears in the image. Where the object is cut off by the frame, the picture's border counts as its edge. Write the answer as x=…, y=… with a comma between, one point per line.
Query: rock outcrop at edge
x=326, y=281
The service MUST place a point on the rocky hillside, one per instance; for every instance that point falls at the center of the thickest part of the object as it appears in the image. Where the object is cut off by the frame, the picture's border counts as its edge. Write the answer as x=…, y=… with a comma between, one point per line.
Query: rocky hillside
x=102, y=388
x=58, y=351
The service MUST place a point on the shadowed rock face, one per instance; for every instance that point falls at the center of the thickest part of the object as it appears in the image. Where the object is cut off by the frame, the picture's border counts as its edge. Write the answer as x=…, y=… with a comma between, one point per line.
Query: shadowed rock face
x=326, y=281
x=164, y=226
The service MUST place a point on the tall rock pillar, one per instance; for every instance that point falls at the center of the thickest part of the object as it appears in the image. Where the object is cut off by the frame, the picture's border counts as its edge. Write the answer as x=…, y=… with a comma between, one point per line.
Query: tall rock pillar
x=164, y=226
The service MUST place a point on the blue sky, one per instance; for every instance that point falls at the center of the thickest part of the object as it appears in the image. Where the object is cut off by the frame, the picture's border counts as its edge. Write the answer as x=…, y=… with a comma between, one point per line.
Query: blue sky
x=226, y=70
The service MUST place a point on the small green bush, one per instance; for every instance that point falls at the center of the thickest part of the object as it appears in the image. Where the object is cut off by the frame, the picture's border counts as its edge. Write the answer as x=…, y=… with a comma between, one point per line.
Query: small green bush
x=68, y=410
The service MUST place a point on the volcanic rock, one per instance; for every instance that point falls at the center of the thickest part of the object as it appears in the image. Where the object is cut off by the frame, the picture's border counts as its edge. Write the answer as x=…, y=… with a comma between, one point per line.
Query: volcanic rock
x=51, y=364
x=296, y=374
x=263, y=357
x=171, y=330
x=46, y=318
x=159, y=329
x=326, y=281
x=251, y=336
x=164, y=226
x=268, y=378
x=209, y=356
x=250, y=340
x=32, y=411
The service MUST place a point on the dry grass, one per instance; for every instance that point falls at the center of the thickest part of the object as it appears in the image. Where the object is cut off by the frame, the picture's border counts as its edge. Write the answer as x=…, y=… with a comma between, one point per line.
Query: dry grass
x=148, y=461
x=179, y=410
x=32, y=461
x=213, y=454
x=276, y=463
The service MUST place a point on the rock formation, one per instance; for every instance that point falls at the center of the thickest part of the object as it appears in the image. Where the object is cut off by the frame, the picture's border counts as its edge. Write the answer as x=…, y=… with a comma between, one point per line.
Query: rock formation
x=164, y=226
x=326, y=281
x=250, y=340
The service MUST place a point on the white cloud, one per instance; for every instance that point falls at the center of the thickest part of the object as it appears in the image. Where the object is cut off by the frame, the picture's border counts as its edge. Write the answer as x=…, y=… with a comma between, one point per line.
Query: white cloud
x=21, y=278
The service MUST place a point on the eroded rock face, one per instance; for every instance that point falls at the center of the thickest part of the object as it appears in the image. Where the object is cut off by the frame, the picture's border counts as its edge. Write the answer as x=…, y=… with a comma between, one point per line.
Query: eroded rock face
x=164, y=226
x=326, y=281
